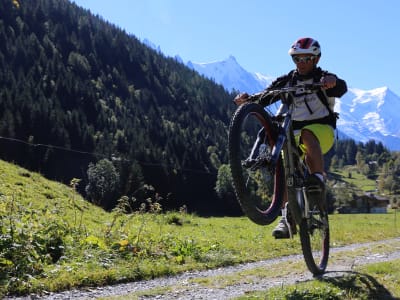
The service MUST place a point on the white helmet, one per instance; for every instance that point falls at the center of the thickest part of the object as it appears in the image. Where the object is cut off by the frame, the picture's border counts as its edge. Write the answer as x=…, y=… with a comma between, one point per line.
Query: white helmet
x=305, y=46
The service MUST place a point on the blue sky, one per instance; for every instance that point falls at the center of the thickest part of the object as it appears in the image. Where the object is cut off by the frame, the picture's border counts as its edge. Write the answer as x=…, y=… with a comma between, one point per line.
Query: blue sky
x=359, y=38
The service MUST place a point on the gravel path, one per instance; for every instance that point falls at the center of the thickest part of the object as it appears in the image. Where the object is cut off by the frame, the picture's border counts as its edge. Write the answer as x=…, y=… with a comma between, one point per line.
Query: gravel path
x=191, y=285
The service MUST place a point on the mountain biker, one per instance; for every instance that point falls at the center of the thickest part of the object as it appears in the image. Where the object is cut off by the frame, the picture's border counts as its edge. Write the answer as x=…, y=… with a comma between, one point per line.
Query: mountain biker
x=313, y=118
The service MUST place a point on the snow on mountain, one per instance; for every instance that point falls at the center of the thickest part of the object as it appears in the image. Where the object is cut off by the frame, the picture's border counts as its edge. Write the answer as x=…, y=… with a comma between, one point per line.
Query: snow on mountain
x=231, y=75
x=371, y=114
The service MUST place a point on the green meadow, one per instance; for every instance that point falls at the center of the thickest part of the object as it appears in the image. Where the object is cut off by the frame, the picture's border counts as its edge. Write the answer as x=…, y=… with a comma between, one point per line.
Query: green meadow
x=53, y=240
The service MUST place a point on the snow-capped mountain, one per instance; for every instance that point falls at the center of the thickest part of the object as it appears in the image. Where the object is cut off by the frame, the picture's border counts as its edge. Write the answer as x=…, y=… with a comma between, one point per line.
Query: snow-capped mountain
x=364, y=115
x=372, y=114
x=231, y=75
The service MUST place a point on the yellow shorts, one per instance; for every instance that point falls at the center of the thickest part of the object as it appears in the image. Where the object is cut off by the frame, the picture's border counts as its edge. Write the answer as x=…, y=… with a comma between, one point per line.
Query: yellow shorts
x=324, y=133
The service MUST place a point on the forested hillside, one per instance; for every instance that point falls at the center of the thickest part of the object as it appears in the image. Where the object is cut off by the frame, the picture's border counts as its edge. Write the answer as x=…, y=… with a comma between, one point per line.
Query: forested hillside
x=75, y=90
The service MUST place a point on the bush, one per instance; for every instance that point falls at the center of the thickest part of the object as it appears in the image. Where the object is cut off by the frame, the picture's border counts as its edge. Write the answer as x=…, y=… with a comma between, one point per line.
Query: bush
x=29, y=239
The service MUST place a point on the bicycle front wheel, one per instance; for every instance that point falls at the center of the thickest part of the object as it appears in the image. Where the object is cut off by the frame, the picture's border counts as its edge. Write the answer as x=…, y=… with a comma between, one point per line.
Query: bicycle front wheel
x=259, y=187
x=314, y=237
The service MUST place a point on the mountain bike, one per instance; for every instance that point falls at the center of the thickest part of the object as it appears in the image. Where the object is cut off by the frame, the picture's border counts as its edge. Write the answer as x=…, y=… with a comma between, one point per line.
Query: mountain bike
x=266, y=163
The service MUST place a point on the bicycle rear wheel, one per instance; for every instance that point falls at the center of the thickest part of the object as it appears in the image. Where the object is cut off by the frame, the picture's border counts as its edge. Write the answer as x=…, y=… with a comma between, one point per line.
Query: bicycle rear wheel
x=314, y=237
x=259, y=187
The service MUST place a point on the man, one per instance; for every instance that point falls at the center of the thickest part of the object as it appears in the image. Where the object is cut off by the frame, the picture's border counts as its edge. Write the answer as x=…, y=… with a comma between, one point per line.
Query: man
x=313, y=118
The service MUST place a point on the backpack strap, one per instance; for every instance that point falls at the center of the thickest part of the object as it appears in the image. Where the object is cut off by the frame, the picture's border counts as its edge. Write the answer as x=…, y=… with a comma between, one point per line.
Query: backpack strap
x=323, y=97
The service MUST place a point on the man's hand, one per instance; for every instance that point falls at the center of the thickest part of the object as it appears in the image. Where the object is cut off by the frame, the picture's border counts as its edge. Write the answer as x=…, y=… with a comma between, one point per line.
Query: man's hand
x=241, y=98
x=328, y=81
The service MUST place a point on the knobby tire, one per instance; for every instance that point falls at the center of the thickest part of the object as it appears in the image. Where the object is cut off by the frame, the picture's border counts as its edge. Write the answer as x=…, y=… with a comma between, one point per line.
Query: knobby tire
x=259, y=209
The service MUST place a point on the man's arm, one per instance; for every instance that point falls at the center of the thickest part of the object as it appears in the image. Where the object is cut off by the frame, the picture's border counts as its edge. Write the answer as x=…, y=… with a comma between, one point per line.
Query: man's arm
x=280, y=82
x=338, y=90
x=277, y=83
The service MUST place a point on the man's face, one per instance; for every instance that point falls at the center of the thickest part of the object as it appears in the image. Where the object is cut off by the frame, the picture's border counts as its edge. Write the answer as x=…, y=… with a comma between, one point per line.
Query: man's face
x=305, y=63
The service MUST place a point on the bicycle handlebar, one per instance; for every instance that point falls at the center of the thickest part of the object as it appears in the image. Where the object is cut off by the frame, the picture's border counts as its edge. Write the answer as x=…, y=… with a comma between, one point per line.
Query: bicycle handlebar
x=298, y=89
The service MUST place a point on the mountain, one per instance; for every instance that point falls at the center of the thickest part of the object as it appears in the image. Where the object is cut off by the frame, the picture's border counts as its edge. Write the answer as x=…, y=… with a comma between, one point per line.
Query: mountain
x=364, y=115
x=371, y=114
x=231, y=75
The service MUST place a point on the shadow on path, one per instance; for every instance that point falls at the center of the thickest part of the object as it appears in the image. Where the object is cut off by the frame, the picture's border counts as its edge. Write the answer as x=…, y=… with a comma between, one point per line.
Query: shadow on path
x=356, y=283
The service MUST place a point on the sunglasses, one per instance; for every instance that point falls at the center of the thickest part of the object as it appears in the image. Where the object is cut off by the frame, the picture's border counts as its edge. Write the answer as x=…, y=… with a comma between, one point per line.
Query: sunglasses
x=305, y=59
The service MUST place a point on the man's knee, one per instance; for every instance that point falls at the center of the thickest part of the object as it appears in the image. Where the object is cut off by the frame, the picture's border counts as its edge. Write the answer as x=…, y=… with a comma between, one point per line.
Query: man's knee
x=308, y=137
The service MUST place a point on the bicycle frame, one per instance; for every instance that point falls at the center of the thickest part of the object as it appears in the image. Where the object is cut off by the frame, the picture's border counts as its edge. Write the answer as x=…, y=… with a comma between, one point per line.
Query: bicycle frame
x=285, y=144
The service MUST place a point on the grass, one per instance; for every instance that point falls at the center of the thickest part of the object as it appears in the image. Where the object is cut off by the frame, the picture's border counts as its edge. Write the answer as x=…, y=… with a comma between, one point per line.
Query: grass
x=352, y=176
x=52, y=239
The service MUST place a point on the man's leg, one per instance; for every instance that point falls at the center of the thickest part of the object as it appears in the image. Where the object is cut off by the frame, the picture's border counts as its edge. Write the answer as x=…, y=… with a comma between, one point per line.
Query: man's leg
x=314, y=157
x=281, y=230
x=315, y=161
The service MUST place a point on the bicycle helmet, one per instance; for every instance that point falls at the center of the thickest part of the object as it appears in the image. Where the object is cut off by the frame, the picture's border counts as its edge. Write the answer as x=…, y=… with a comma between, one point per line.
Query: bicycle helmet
x=305, y=46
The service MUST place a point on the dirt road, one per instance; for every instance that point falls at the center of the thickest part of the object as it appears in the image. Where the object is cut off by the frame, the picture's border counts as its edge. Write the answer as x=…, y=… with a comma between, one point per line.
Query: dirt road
x=234, y=281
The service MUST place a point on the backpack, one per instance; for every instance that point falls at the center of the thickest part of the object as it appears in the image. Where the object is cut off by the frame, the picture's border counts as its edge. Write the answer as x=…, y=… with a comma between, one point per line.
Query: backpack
x=290, y=78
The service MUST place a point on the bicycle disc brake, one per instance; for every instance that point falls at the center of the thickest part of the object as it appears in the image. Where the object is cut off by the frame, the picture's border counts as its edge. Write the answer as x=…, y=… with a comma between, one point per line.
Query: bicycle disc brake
x=263, y=160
